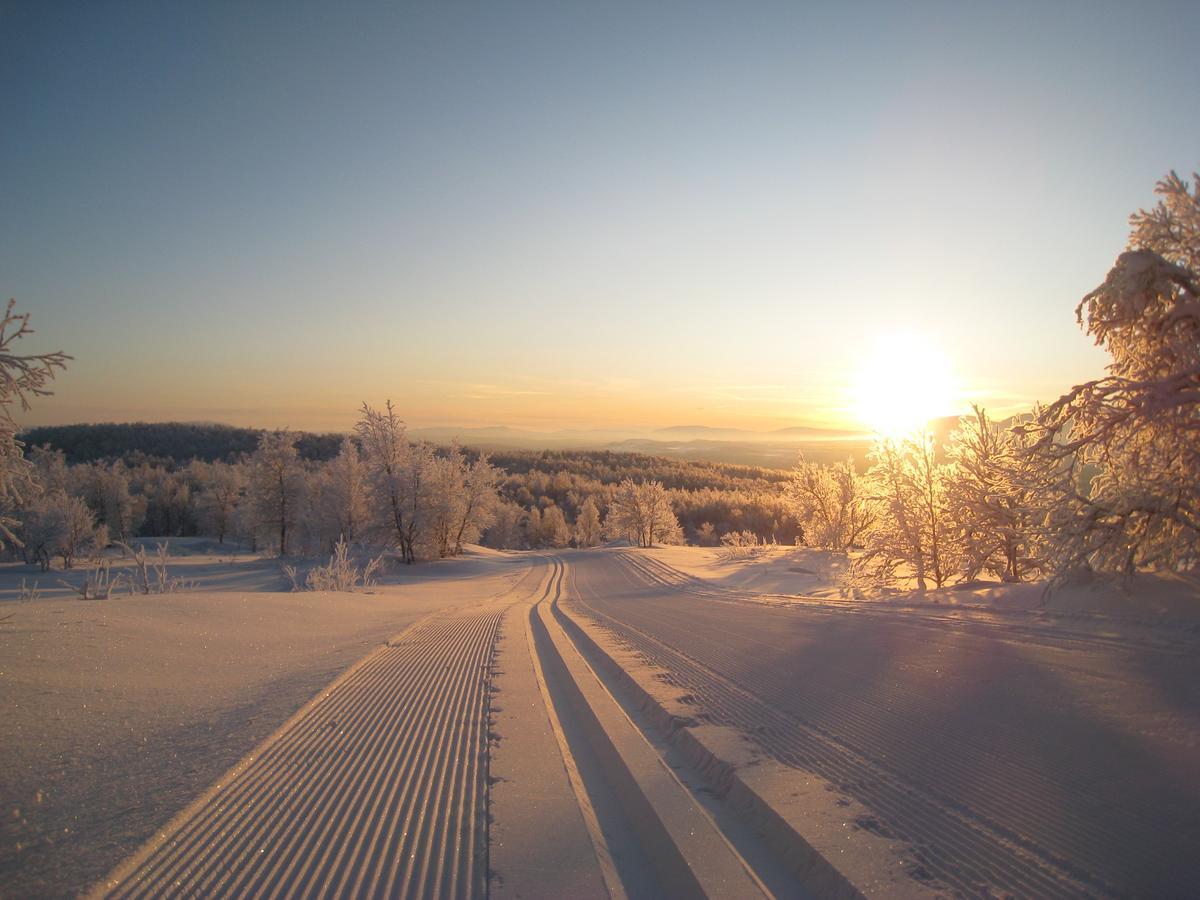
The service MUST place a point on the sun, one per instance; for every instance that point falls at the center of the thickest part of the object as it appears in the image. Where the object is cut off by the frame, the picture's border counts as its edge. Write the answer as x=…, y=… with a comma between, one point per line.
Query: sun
x=902, y=383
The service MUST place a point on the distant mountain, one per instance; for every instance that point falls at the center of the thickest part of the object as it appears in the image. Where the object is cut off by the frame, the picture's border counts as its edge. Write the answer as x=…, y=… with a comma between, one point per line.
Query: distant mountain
x=770, y=454
x=809, y=432
x=701, y=432
x=794, y=433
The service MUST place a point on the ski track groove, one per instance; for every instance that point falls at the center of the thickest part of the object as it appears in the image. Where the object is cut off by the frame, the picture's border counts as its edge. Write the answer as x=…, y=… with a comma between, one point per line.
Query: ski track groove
x=968, y=851
x=379, y=789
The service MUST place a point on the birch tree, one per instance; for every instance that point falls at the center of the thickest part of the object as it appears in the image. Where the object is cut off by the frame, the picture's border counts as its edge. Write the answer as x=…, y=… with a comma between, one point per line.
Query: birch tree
x=277, y=485
x=221, y=487
x=832, y=504
x=987, y=503
x=913, y=536
x=642, y=513
x=587, y=525
x=400, y=476
x=342, y=501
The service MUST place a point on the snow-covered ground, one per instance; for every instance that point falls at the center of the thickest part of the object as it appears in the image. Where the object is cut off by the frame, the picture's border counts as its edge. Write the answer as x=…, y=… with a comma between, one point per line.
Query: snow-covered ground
x=780, y=571
x=1002, y=752
x=118, y=712
x=942, y=725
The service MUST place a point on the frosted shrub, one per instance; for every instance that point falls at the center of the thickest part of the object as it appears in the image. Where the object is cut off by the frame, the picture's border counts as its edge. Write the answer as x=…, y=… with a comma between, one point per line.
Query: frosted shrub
x=151, y=576
x=99, y=583
x=740, y=545
x=341, y=573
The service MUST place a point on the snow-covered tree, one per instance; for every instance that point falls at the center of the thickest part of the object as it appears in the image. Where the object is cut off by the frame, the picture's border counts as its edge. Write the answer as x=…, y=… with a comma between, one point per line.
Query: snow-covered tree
x=554, y=531
x=504, y=532
x=221, y=486
x=986, y=501
x=169, y=500
x=587, y=525
x=57, y=524
x=463, y=499
x=50, y=469
x=913, y=535
x=642, y=513
x=832, y=503
x=22, y=377
x=533, y=528
x=106, y=490
x=276, y=485
x=338, y=503
x=400, y=476
x=1138, y=427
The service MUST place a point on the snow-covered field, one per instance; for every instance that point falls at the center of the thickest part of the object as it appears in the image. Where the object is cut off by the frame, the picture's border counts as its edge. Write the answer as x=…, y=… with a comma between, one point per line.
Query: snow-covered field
x=118, y=712
x=473, y=725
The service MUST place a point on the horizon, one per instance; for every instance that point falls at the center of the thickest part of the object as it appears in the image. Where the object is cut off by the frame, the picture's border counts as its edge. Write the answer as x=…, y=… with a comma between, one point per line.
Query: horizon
x=485, y=219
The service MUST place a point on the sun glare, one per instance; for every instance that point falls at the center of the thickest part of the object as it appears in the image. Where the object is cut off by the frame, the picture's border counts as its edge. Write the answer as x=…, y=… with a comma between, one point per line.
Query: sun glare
x=903, y=382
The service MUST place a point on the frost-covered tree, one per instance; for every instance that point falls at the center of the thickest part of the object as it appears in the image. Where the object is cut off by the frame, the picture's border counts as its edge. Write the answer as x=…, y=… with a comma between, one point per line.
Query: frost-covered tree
x=554, y=531
x=504, y=532
x=913, y=535
x=642, y=513
x=463, y=499
x=50, y=469
x=706, y=535
x=276, y=485
x=987, y=503
x=22, y=377
x=57, y=524
x=587, y=524
x=400, y=475
x=106, y=490
x=1138, y=427
x=477, y=496
x=533, y=528
x=338, y=500
x=221, y=487
x=832, y=503
x=169, y=500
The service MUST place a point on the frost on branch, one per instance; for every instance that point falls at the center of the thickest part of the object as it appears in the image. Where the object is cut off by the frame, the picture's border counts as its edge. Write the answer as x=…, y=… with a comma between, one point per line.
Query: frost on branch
x=642, y=513
x=913, y=534
x=1118, y=474
x=22, y=376
x=986, y=502
x=831, y=503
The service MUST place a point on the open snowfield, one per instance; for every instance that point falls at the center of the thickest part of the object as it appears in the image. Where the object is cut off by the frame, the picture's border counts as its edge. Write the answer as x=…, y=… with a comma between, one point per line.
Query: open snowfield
x=118, y=712
x=1013, y=754
x=612, y=722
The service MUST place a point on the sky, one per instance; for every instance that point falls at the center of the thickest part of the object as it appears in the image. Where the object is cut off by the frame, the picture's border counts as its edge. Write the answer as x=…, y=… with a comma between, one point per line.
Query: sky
x=572, y=215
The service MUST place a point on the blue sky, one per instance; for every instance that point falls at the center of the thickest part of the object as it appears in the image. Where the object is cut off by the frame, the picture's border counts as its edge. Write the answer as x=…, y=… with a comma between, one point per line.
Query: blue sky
x=555, y=215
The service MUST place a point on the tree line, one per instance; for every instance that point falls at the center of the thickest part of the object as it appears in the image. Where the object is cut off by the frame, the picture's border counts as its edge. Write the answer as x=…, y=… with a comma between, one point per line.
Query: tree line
x=380, y=489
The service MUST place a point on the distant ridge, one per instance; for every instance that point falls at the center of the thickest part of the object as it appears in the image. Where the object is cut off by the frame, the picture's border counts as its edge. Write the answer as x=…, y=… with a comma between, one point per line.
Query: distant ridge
x=179, y=442
x=175, y=442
